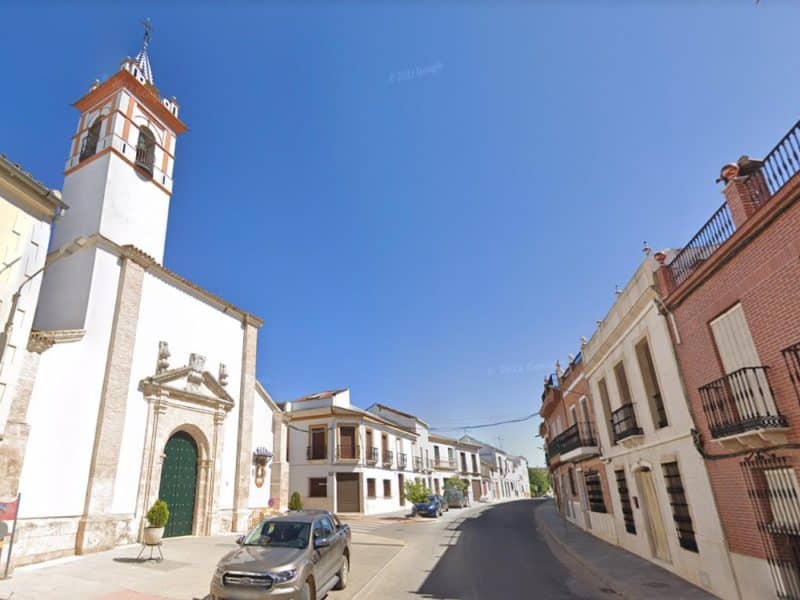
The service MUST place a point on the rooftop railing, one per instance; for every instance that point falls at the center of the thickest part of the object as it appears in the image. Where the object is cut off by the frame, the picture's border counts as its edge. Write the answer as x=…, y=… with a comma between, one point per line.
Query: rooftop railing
x=783, y=161
x=779, y=166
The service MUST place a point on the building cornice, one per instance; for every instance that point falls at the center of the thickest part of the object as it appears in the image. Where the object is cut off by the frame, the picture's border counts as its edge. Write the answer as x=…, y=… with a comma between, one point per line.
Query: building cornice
x=36, y=196
x=145, y=95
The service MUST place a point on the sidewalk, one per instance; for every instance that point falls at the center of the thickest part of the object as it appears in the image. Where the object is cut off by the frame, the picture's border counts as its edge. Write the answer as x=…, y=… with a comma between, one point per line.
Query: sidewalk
x=184, y=574
x=627, y=574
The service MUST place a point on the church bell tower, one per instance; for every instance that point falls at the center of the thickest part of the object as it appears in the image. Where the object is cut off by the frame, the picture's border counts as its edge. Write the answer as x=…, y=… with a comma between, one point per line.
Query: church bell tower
x=118, y=178
x=117, y=184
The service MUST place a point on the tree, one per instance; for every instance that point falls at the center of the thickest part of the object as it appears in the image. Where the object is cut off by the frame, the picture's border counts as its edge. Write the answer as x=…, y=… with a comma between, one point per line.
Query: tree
x=456, y=483
x=294, y=502
x=417, y=491
x=539, y=480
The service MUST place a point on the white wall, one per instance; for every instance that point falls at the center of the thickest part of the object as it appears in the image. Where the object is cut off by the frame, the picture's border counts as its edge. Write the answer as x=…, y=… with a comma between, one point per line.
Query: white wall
x=188, y=324
x=63, y=408
x=261, y=436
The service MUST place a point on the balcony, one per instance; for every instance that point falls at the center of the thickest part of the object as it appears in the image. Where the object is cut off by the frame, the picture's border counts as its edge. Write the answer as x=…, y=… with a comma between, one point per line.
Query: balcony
x=418, y=464
x=348, y=452
x=444, y=464
x=741, y=412
x=625, y=427
x=791, y=356
x=388, y=458
x=372, y=456
x=574, y=443
x=402, y=461
x=316, y=452
x=778, y=167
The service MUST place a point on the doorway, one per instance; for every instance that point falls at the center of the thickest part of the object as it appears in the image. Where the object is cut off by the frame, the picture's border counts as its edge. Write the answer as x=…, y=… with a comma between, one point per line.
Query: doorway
x=178, y=485
x=656, y=531
x=347, y=493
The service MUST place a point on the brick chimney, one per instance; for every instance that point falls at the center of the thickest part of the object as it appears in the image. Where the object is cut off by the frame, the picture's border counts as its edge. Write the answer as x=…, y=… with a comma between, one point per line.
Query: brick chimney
x=745, y=188
x=665, y=281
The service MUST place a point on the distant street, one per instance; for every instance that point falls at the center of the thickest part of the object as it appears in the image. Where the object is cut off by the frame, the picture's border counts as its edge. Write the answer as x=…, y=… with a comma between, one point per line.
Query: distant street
x=485, y=552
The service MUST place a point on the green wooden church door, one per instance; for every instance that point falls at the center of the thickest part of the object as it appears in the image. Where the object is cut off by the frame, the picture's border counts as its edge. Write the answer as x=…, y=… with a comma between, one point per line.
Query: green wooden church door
x=179, y=483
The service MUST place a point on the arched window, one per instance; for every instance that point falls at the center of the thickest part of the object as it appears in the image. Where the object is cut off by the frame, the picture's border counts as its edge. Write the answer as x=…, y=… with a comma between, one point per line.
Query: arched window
x=89, y=144
x=146, y=150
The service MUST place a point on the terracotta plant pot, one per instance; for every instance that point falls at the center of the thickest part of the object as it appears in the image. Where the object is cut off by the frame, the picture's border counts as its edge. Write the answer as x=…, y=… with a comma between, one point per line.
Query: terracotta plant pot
x=153, y=535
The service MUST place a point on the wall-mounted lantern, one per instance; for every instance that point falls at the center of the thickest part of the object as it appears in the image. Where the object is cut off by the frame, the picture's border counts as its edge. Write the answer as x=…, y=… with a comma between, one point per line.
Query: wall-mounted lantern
x=261, y=457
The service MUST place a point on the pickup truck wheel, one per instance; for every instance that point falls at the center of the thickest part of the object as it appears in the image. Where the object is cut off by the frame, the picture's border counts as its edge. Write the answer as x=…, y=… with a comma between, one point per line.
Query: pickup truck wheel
x=343, y=574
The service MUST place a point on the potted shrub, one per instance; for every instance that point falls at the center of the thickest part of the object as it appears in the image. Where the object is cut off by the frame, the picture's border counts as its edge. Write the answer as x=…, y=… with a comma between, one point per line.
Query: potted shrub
x=294, y=502
x=157, y=517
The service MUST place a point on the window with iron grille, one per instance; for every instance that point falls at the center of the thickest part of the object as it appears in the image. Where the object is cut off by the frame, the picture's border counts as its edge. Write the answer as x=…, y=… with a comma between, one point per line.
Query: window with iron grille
x=387, y=488
x=782, y=491
x=594, y=489
x=773, y=490
x=625, y=500
x=370, y=488
x=680, y=507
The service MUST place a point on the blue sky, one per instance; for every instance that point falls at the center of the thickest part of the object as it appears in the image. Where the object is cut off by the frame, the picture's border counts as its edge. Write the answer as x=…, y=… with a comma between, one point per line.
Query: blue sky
x=428, y=203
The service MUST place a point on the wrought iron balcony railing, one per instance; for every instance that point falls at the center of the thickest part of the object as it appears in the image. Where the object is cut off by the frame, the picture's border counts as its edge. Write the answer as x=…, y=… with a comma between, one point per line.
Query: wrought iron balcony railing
x=579, y=435
x=783, y=161
x=402, y=460
x=418, y=463
x=739, y=402
x=624, y=424
x=348, y=452
x=710, y=237
x=791, y=356
x=316, y=452
x=372, y=455
x=388, y=457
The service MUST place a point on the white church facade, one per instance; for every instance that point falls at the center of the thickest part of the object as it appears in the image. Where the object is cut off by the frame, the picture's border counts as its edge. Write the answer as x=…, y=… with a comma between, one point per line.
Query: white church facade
x=139, y=383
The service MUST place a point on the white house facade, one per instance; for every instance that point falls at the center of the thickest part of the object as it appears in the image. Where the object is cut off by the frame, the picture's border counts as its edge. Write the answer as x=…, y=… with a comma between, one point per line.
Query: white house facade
x=657, y=479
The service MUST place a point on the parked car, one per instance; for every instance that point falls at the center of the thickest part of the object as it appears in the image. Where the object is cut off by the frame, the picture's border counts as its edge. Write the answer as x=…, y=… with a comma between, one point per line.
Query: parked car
x=431, y=507
x=299, y=556
x=456, y=498
x=443, y=502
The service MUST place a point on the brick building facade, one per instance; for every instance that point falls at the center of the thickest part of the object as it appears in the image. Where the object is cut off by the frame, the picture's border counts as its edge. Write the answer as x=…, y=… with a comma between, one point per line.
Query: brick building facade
x=734, y=296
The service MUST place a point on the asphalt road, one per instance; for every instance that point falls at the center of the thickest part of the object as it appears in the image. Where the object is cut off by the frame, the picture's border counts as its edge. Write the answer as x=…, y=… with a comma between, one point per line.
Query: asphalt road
x=483, y=552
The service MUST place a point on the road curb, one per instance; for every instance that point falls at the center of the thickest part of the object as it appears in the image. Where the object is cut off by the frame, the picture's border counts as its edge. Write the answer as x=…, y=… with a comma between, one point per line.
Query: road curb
x=607, y=581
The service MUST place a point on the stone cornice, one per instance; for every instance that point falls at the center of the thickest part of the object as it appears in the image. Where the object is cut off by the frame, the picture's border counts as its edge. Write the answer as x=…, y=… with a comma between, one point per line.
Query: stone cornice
x=39, y=340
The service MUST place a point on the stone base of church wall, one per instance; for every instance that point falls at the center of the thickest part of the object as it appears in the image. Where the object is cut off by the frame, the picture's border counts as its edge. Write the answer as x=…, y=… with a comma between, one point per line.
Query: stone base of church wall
x=44, y=539
x=223, y=522
x=105, y=532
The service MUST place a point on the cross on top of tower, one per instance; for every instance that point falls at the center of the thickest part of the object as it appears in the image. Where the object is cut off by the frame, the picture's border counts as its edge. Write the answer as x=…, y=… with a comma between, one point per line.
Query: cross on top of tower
x=142, y=59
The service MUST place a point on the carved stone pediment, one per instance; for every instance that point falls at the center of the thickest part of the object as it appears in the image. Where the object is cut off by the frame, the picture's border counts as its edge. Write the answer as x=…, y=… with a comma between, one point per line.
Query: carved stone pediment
x=188, y=385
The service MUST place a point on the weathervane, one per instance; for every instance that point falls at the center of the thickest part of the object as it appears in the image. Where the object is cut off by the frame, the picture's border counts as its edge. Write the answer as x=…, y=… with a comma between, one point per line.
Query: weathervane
x=147, y=30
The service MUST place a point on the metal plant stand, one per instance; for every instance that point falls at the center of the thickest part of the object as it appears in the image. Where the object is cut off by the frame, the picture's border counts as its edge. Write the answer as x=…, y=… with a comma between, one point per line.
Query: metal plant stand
x=157, y=546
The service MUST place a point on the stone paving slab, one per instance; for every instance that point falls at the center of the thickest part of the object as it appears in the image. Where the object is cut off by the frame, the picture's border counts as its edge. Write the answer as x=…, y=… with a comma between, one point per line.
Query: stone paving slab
x=629, y=575
x=184, y=574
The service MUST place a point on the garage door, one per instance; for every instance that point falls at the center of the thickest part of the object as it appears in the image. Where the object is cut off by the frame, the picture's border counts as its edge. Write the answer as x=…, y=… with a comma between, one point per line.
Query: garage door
x=476, y=490
x=347, y=496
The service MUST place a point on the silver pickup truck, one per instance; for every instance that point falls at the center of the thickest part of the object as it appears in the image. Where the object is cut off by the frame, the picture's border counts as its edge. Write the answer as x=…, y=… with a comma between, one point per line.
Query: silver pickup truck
x=299, y=556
